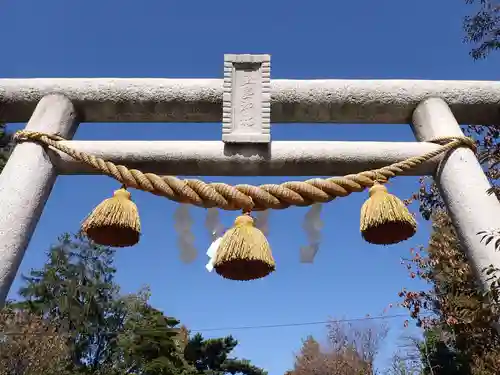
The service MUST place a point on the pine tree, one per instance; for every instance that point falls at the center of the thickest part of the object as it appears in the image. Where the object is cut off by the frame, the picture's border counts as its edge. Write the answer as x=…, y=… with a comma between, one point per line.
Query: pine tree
x=150, y=343
x=155, y=344
x=212, y=357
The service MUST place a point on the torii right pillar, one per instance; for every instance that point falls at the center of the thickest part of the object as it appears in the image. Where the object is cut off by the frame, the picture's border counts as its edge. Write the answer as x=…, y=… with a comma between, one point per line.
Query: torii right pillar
x=462, y=185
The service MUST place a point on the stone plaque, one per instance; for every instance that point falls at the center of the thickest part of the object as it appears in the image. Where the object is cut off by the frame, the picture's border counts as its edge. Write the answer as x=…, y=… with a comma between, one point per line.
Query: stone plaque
x=246, y=111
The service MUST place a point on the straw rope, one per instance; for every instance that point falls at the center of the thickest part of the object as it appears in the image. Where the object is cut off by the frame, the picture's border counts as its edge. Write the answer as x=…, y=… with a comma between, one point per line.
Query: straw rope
x=245, y=197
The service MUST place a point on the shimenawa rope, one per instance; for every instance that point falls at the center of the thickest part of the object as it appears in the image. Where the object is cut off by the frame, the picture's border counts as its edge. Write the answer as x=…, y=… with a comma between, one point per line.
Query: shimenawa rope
x=243, y=252
x=244, y=196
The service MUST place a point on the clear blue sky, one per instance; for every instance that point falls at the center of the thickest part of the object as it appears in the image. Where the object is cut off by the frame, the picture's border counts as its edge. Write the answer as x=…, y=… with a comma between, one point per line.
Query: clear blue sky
x=314, y=39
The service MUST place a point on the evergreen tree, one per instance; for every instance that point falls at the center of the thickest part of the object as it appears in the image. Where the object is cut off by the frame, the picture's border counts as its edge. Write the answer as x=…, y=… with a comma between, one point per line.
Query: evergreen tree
x=76, y=291
x=150, y=343
x=154, y=344
x=439, y=355
x=212, y=357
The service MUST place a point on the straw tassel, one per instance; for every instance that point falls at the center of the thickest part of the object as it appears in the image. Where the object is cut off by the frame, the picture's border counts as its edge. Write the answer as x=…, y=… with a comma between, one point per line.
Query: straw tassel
x=115, y=222
x=385, y=220
x=244, y=253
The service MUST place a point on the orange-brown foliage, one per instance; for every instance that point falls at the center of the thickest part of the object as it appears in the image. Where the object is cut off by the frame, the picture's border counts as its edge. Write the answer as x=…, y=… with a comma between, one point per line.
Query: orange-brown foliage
x=464, y=314
x=29, y=346
x=350, y=350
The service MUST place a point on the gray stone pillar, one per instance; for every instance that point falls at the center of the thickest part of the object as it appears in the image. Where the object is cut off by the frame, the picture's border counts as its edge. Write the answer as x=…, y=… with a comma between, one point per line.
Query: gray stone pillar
x=462, y=185
x=26, y=183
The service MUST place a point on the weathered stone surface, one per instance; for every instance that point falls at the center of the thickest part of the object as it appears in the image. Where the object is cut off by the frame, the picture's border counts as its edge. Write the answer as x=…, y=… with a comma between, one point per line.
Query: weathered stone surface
x=26, y=183
x=303, y=101
x=246, y=99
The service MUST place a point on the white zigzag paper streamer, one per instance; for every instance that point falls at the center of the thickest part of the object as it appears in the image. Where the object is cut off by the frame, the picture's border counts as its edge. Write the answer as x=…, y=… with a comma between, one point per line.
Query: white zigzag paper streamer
x=213, y=224
x=211, y=252
x=185, y=239
x=312, y=225
x=215, y=230
x=262, y=221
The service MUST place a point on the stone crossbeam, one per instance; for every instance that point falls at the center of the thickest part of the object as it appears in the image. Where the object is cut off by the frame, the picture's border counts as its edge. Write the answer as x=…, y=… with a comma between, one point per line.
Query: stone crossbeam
x=300, y=101
x=280, y=158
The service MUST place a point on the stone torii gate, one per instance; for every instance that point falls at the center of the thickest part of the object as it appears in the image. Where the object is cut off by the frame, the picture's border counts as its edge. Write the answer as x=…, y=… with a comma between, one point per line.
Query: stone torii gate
x=247, y=101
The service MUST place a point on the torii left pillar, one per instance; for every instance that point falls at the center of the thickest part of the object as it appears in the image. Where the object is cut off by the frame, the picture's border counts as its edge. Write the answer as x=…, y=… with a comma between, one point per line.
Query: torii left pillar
x=26, y=183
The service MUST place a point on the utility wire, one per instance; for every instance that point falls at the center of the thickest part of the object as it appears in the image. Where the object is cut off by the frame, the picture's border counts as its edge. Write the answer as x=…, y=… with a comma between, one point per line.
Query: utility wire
x=265, y=326
x=235, y=328
x=296, y=324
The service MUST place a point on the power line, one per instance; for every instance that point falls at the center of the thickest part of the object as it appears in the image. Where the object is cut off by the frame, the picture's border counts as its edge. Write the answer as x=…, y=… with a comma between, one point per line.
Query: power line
x=322, y=322
x=264, y=326
x=296, y=324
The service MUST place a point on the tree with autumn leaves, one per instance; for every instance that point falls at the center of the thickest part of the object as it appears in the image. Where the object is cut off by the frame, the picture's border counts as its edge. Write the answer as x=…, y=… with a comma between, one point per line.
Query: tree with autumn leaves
x=349, y=349
x=29, y=345
x=459, y=338
x=456, y=315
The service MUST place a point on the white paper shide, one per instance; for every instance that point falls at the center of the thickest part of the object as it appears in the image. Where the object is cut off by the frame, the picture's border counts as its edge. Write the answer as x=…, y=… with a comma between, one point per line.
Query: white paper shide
x=212, y=252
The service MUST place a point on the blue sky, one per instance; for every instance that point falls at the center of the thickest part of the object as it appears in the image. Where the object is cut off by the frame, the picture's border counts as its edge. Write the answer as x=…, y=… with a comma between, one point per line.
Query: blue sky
x=307, y=40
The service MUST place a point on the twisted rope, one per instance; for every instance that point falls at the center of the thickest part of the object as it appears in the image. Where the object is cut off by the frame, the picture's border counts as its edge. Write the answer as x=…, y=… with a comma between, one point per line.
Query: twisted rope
x=244, y=196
